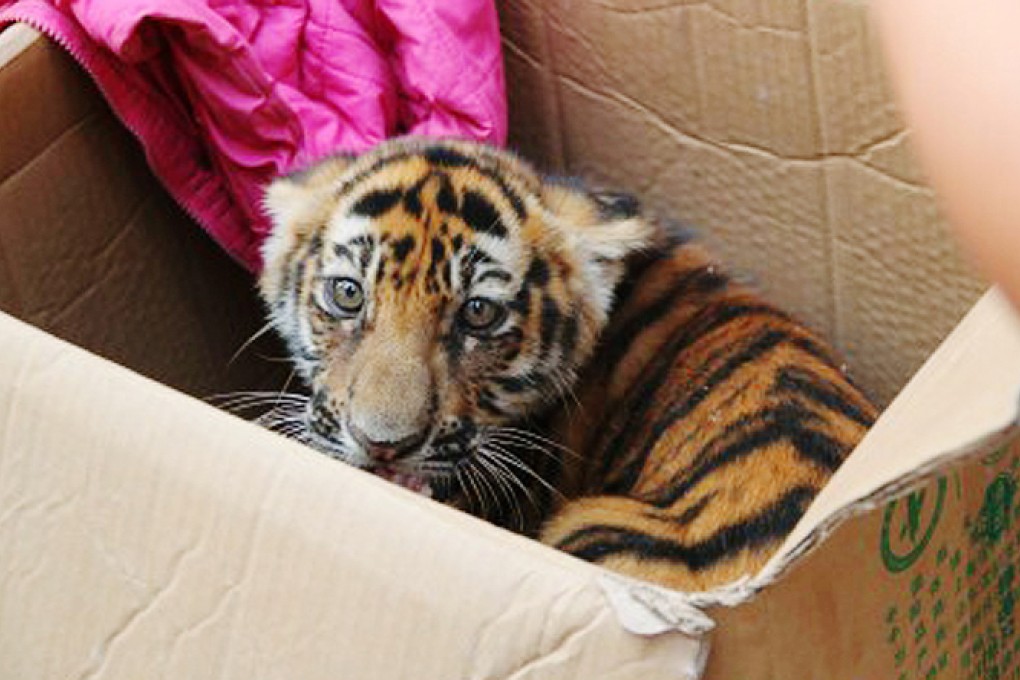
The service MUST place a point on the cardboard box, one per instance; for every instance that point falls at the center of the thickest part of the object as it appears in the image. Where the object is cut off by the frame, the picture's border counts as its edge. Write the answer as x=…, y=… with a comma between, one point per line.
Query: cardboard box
x=144, y=534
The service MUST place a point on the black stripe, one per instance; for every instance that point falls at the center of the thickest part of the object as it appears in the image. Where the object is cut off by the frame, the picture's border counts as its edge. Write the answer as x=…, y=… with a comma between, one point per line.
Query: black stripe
x=818, y=351
x=402, y=248
x=568, y=337
x=487, y=401
x=522, y=383
x=659, y=370
x=638, y=266
x=476, y=256
x=469, y=263
x=819, y=447
x=538, y=272
x=773, y=523
x=315, y=246
x=442, y=157
x=694, y=512
x=759, y=346
x=788, y=421
x=509, y=344
x=449, y=158
x=549, y=322
x=702, y=281
x=481, y=215
x=818, y=389
x=445, y=157
x=412, y=198
x=345, y=253
x=516, y=203
x=522, y=301
x=448, y=274
x=497, y=274
x=446, y=197
x=376, y=203
x=451, y=342
x=438, y=251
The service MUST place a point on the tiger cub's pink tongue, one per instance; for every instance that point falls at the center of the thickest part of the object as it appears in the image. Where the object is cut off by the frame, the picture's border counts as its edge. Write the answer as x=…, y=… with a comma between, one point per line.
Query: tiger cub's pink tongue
x=406, y=480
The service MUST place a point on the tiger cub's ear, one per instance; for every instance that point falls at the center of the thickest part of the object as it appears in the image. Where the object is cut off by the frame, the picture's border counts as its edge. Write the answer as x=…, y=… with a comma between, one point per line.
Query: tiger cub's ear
x=602, y=228
x=298, y=196
x=297, y=204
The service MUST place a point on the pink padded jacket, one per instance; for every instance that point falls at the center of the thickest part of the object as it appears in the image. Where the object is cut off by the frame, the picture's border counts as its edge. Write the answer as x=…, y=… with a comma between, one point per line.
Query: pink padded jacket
x=226, y=94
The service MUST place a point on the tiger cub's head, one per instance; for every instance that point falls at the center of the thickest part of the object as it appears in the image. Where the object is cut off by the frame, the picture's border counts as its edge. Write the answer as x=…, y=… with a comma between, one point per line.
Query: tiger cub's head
x=433, y=293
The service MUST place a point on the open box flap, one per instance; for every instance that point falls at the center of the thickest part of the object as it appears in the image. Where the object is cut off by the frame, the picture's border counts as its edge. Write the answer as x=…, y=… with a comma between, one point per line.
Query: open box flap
x=147, y=534
x=962, y=403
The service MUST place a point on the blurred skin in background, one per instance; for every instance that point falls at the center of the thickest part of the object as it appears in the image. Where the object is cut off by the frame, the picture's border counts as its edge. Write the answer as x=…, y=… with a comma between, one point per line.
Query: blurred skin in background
x=955, y=65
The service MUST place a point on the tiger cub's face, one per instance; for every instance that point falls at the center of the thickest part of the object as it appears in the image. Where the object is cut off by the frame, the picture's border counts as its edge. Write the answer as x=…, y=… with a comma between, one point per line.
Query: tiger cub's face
x=434, y=293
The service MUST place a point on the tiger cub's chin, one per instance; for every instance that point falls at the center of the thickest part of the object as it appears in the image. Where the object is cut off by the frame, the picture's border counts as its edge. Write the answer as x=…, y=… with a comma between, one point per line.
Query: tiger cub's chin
x=540, y=353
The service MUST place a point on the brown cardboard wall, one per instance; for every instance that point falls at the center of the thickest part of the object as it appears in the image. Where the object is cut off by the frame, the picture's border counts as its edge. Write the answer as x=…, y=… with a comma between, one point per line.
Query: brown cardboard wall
x=93, y=250
x=767, y=126
x=926, y=587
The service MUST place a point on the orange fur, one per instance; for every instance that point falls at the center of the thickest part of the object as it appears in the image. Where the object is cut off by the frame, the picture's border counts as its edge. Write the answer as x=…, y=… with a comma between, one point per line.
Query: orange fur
x=704, y=423
x=711, y=420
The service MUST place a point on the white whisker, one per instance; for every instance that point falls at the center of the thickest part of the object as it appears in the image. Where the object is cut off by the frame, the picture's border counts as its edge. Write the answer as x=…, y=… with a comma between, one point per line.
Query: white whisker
x=514, y=461
x=247, y=343
x=534, y=439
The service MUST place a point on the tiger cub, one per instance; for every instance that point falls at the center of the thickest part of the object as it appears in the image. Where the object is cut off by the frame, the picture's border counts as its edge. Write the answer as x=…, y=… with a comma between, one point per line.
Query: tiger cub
x=548, y=357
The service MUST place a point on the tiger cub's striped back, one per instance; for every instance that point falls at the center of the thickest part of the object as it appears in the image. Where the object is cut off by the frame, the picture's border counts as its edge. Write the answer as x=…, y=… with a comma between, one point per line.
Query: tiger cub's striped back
x=711, y=420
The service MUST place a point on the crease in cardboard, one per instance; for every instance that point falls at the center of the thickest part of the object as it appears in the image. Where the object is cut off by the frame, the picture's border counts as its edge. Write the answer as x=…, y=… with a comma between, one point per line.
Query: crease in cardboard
x=105, y=649
x=860, y=158
x=645, y=609
x=563, y=649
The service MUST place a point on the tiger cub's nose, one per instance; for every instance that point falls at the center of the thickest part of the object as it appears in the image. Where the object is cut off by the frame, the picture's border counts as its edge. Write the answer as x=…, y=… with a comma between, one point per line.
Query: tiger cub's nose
x=386, y=451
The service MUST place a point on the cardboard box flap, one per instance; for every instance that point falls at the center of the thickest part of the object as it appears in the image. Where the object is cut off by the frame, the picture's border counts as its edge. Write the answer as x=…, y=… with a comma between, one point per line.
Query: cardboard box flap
x=150, y=535
x=962, y=403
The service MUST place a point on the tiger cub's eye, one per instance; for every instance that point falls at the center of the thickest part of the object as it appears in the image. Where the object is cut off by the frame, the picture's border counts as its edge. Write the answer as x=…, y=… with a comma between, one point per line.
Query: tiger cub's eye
x=479, y=314
x=343, y=297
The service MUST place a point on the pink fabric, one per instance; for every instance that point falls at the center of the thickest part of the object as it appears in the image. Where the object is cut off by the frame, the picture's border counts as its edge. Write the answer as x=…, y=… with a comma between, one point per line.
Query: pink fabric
x=226, y=94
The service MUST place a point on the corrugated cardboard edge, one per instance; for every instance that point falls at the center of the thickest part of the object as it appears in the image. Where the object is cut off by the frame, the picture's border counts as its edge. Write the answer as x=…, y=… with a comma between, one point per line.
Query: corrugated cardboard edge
x=980, y=358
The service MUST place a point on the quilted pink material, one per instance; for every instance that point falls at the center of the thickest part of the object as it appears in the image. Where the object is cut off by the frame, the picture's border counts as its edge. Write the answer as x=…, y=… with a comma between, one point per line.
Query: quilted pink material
x=225, y=94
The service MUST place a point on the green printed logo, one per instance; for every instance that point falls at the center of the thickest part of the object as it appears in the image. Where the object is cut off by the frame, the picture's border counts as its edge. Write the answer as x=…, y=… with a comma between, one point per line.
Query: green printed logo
x=996, y=510
x=907, y=527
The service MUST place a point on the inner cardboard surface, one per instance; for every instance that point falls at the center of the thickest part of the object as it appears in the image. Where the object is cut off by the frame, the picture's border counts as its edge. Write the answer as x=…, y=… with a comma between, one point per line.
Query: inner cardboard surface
x=769, y=128
x=92, y=248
